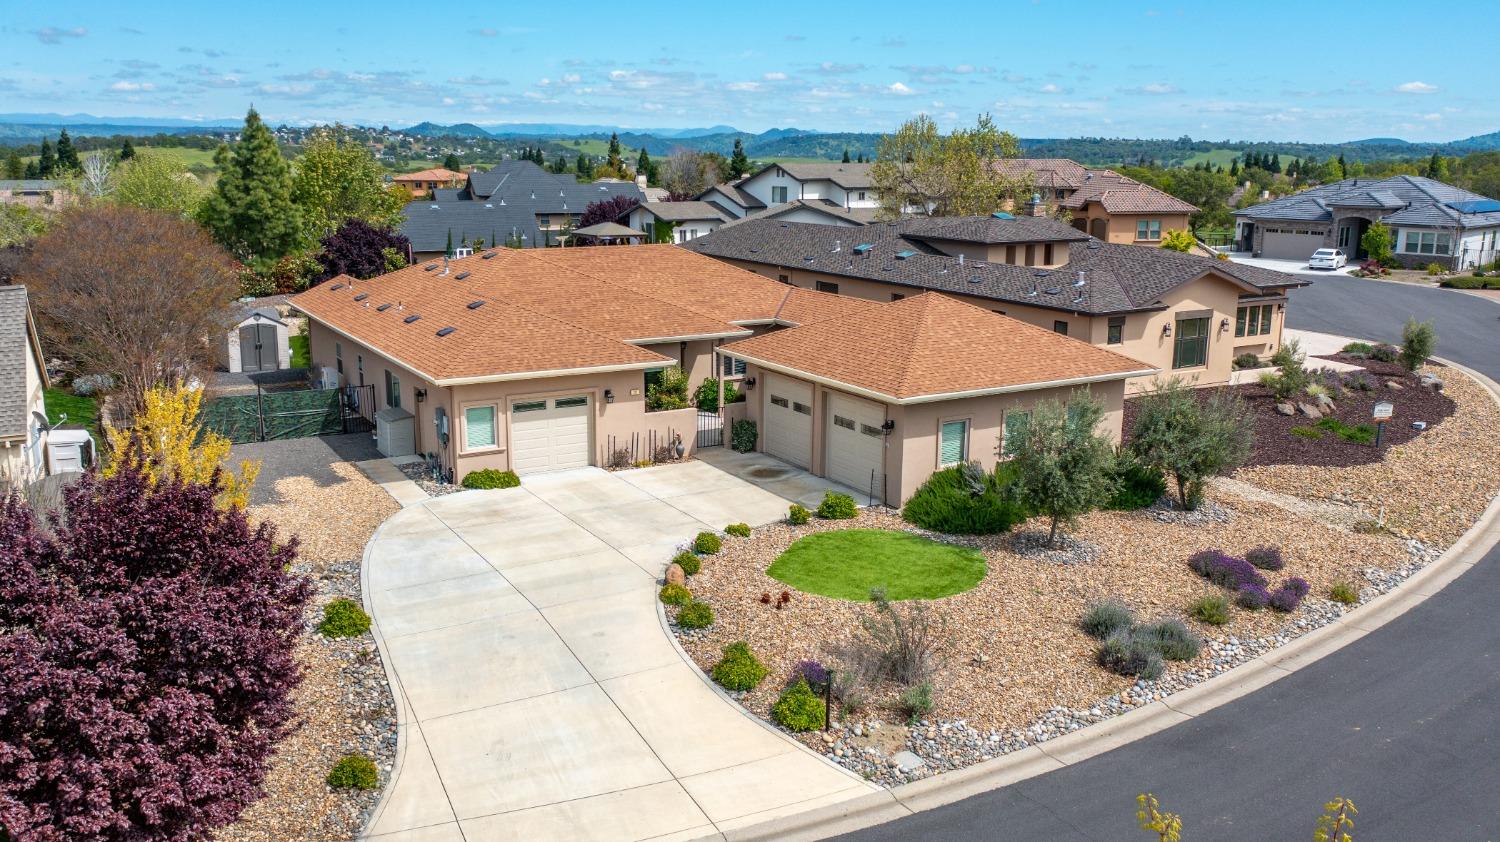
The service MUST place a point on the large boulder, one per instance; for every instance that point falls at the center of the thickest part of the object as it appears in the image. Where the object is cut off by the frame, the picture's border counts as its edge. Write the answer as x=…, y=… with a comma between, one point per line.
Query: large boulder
x=1432, y=381
x=1309, y=410
x=1324, y=403
x=675, y=576
x=1286, y=408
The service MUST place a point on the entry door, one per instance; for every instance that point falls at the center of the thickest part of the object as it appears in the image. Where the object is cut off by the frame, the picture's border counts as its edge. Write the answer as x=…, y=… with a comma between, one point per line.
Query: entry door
x=257, y=348
x=789, y=419
x=856, y=442
x=550, y=434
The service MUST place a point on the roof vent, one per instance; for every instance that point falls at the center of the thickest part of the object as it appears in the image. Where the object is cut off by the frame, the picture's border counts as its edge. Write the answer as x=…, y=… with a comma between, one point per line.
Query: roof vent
x=976, y=280
x=905, y=254
x=980, y=265
x=838, y=245
x=1051, y=290
x=1081, y=282
x=384, y=307
x=487, y=255
x=429, y=267
x=1042, y=273
x=475, y=305
x=445, y=331
x=808, y=259
x=409, y=319
x=1002, y=215
x=460, y=276
x=863, y=248
x=362, y=296
x=488, y=205
x=1094, y=244
x=960, y=259
x=337, y=287
x=433, y=207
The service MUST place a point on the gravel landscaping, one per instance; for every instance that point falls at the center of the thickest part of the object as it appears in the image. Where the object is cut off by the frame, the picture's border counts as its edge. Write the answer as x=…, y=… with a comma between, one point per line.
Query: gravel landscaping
x=344, y=703
x=1014, y=666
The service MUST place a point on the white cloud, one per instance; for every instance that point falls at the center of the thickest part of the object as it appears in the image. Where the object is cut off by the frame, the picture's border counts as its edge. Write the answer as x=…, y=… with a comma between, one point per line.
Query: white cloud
x=1050, y=88
x=1416, y=88
x=1432, y=118
x=899, y=89
x=571, y=78
x=130, y=87
x=775, y=76
x=54, y=35
x=743, y=86
x=1154, y=89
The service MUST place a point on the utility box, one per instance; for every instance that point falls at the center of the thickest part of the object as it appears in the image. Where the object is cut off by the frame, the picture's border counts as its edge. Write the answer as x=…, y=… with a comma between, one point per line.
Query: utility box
x=395, y=432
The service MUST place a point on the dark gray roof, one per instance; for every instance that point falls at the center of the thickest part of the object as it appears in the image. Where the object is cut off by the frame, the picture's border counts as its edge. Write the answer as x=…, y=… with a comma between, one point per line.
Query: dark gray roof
x=685, y=211
x=501, y=202
x=1413, y=199
x=734, y=194
x=828, y=207
x=14, y=338
x=29, y=184
x=847, y=176
x=1118, y=278
x=992, y=231
x=245, y=310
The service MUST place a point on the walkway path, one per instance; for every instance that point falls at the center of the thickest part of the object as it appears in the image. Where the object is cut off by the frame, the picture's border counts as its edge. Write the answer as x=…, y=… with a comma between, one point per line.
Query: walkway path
x=540, y=696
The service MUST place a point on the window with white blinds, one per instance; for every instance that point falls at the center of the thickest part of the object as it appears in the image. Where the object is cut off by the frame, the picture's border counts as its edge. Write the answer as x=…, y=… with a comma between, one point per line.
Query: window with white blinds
x=479, y=427
x=954, y=447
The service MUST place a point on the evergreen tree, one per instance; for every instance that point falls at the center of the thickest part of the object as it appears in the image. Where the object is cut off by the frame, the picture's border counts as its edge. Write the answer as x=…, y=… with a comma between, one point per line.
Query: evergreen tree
x=32, y=170
x=451, y=162
x=739, y=163
x=647, y=167
x=14, y=167
x=1276, y=164
x=251, y=212
x=585, y=167
x=1343, y=167
x=448, y=249
x=1437, y=167
x=126, y=150
x=846, y=154
x=67, y=156
x=1234, y=168
x=46, y=163
x=559, y=166
x=613, y=160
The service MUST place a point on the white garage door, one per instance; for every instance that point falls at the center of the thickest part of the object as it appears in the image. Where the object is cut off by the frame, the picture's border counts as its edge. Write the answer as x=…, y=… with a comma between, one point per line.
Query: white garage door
x=789, y=422
x=856, y=444
x=549, y=434
x=1290, y=244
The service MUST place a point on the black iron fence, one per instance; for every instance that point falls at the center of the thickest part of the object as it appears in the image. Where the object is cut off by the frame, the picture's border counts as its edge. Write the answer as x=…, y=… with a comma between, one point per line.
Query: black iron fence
x=710, y=429
x=272, y=416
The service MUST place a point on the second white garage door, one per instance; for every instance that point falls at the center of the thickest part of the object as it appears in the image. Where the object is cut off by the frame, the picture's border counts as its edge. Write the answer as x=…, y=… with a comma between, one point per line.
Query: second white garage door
x=856, y=443
x=550, y=434
x=789, y=419
x=1290, y=243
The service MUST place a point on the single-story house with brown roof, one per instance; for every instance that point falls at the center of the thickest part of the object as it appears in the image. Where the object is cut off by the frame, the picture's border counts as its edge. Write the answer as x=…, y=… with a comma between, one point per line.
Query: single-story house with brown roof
x=1102, y=203
x=540, y=360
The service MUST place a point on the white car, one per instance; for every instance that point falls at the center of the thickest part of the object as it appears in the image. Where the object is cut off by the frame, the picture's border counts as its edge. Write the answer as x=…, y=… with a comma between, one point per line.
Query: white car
x=1328, y=259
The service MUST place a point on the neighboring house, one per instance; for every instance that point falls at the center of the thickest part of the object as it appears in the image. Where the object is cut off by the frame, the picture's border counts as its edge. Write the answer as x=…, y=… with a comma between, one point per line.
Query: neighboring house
x=813, y=210
x=1183, y=314
x=541, y=360
x=687, y=219
x=513, y=202
x=23, y=379
x=1104, y=204
x=1430, y=222
x=33, y=192
x=841, y=185
x=259, y=340
x=427, y=181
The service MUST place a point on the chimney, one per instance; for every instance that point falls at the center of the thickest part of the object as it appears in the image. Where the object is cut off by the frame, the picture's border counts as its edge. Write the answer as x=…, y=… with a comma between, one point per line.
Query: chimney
x=960, y=258
x=445, y=264
x=1035, y=206
x=640, y=181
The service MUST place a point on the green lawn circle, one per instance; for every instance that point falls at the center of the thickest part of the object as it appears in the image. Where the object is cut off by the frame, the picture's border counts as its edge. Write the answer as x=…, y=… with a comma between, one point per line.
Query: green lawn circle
x=847, y=563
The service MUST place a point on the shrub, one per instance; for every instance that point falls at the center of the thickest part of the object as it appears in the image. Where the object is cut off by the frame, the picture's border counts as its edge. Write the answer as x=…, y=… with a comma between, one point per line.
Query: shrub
x=675, y=594
x=1252, y=596
x=619, y=458
x=1307, y=432
x=916, y=702
x=1244, y=361
x=739, y=669
x=1266, y=558
x=1172, y=639
x=1358, y=348
x=1190, y=440
x=668, y=391
x=707, y=543
x=1286, y=598
x=354, y=771
x=689, y=562
x=707, y=396
x=1123, y=653
x=798, y=514
x=1178, y=240
x=1359, y=381
x=813, y=672
x=1298, y=585
x=491, y=478
x=901, y=641
x=1435, y=269
x=1344, y=592
x=89, y=385
x=344, y=618
x=948, y=502
x=1384, y=353
x=1063, y=465
x=1136, y=486
x=1418, y=341
x=1225, y=570
x=837, y=506
x=742, y=435
x=740, y=530
x=1106, y=617
x=695, y=615
x=1213, y=610
x=1291, y=377
x=1358, y=434
x=799, y=708
x=850, y=686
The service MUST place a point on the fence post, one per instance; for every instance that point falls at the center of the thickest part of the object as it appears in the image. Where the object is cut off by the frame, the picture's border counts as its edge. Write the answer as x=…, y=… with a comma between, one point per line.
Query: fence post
x=260, y=414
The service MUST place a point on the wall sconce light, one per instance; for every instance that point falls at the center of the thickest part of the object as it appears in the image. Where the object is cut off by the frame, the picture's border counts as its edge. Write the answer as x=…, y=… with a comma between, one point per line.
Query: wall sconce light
x=609, y=395
x=1223, y=325
x=749, y=382
x=1280, y=307
x=888, y=427
x=1166, y=330
x=421, y=394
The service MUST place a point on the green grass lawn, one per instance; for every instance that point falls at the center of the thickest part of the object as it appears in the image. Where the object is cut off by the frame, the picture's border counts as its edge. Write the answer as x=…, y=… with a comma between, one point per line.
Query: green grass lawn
x=1214, y=157
x=300, y=357
x=79, y=410
x=847, y=563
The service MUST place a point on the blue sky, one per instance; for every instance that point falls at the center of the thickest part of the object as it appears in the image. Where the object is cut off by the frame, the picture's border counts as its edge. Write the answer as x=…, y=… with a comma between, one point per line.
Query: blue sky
x=1148, y=68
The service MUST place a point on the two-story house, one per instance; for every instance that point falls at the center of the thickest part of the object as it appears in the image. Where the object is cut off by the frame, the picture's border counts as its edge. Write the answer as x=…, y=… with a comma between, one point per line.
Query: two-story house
x=1102, y=203
x=23, y=379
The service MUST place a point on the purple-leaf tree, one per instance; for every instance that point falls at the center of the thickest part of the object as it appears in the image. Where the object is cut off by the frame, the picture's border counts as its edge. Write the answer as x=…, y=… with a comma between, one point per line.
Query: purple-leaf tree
x=146, y=661
x=605, y=210
x=361, y=250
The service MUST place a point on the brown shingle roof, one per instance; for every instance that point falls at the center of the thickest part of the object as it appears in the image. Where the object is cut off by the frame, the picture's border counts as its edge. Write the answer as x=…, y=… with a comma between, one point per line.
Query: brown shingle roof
x=436, y=174
x=1119, y=194
x=932, y=347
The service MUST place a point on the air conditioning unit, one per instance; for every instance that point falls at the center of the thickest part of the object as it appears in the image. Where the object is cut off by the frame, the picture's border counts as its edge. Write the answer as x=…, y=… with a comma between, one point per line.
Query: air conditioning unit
x=328, y=377
x=462, y=252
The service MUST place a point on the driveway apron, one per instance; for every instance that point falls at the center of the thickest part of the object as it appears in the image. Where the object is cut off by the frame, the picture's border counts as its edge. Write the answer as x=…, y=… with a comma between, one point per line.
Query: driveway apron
x=540, y=696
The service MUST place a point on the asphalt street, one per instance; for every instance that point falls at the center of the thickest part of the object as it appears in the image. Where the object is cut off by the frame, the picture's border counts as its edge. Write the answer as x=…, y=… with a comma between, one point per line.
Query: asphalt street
x=1405, y=721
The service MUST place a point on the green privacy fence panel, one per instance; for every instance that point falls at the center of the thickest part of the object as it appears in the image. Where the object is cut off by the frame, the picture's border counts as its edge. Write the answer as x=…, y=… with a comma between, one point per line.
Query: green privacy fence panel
x=270, y=416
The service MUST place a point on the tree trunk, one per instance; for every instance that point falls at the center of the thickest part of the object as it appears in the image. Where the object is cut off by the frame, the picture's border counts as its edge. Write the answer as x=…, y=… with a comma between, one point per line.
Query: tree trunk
x=1052, y=538
x=1182, y=499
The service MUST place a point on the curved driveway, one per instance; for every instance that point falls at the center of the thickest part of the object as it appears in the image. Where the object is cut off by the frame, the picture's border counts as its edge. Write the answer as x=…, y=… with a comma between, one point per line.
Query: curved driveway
x=1405, y=720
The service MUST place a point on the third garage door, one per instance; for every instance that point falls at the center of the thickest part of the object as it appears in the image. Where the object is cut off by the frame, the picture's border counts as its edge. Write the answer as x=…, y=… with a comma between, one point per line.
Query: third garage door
x=789, y=419
x=550, y=434
x=1290, y=243
x=856, y=443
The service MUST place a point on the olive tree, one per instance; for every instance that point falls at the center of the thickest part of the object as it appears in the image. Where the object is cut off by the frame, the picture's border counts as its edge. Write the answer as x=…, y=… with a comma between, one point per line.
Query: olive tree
x=1418, y=341
x=1190, y=438
x=1062, y=464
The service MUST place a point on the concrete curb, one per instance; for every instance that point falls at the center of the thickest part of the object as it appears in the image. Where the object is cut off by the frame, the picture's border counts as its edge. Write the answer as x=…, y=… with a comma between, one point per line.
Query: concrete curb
x=1101, y=737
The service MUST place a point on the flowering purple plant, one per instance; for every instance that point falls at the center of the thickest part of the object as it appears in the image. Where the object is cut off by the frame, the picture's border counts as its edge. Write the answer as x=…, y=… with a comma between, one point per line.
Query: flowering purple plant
x=1225, y=570
x=814, y=672
x=1298, y=584
x=146, y=661
x=1287, y=597
x=1252, y=596
x=1266, y=558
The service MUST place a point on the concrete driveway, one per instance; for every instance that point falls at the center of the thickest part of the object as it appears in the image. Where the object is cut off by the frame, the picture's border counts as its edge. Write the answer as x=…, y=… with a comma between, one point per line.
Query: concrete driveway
x=1291, y=267
x=540, y=696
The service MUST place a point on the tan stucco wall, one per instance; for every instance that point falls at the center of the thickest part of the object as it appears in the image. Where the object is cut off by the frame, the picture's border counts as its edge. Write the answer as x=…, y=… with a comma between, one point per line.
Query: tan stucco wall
x=911, y=453
x=1121, y=227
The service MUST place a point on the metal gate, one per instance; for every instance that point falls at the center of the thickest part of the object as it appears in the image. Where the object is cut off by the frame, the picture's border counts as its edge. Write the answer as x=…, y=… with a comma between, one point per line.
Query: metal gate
x=271, y=416
x=710, y=429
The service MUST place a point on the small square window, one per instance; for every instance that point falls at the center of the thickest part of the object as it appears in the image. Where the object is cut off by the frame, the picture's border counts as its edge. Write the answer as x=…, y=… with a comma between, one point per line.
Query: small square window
x=1116, y=331
x=828, y=286
x=1060, y=327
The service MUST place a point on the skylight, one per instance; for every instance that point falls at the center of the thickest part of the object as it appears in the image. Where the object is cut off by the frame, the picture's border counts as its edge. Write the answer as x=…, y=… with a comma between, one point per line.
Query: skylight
x=475, y=305
x=1002, y=215
x=460, y=276
x=863, y=248
x=337, y=287
x=409, y=319
x=905, y=254
x=445, y=331
x=362, y=296
x=487, y=255
x=382, y=308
